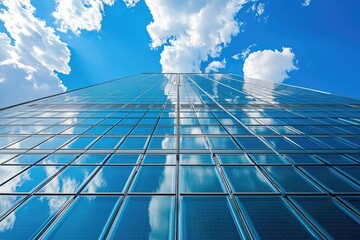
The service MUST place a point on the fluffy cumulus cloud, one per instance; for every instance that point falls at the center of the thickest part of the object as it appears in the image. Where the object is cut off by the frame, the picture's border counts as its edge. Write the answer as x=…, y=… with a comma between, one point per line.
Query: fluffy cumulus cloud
x=200, y=30
x=270, y=65
x=306, y=3
x=31, y=54
x=78, y=15
x=215, y=66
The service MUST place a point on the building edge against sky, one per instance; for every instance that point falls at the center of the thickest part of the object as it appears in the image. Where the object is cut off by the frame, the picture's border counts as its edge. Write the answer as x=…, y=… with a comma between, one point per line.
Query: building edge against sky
x=181, y=156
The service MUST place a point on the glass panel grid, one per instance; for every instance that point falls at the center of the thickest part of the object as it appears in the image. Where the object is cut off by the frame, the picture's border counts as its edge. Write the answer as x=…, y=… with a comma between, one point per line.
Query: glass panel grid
x=161, y=148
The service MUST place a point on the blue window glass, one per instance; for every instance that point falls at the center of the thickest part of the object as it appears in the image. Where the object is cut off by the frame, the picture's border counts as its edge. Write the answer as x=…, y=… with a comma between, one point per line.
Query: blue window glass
x=123, y=159
x=86, y=218
x=306, y=143
x=190, y=130
x=159, y=159
x=214, y=130
x=192, y=143
x=28, y=180
x=303, y=159
x=78, y=129
x=119, y=130
x=28, y=143
x=352, y=172
x=222, y=143
x=109, y=180
x=69, y=180
x=162, y=143
x=330, y=179
x=106, y=143
x=290, y=179
x=280, y=143
x=97, y=130
x=208, y=217
x=8, y=202
x=142, y=130
x=5, y=141
x=54, y=130
x=133, y=143
x=268, y=159
x=79, y=143
x=237, y=130
x=195, y=159
x=200, y=179
x=54, y=142
x=269, y=217
x=251, y=143
x=145, y=217
x=6, y=157
x=26, y=159
x=247, y=179
x=164, y=130
x=335, y=159
x=326, y=213
x=18, y=225
x=353, y=202
x=334, y=143
x=58, y=159
x=90, y=159
x=261, y=130
x=159, y=179
x=7, y=172
x=239, y=159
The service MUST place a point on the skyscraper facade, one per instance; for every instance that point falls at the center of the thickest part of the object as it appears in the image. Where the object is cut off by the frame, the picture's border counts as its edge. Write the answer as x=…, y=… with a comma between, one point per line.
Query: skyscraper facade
x=181, y=156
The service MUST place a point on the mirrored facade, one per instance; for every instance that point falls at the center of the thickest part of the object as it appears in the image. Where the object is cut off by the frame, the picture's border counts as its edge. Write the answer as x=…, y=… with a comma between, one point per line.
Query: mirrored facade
x=181, y=156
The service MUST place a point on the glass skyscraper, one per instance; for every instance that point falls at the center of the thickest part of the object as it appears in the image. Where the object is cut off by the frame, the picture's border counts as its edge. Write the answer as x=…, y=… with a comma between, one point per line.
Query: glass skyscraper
x=181, y=156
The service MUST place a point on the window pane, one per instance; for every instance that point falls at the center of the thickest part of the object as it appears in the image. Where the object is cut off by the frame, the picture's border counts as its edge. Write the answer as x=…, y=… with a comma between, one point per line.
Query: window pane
x=159, y=179
x=109, y=179
x=234, y=159
x=28, y=180
x=195, y=159
x=330, y=179
x=268, y=159
x=210, y=217
x=200, y=179
x=222, y=143
x=133, y=143
x=251, y=143
x=290, y=179
x=69, y=180
x=270, y=218
x=85, y=219
x=247, y=179
x=26, y=159
x=18, y=225
x=145, y=217
x=123, y=159
x=90, y=159
x=159, y=159
x=332, y=219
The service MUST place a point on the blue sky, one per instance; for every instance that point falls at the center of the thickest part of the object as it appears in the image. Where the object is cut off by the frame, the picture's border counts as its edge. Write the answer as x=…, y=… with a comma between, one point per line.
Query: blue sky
x=314, y=43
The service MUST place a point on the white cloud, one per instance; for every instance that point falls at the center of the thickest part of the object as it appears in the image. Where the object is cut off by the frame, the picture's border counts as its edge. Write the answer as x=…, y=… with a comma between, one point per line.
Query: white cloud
x=244, y=53
x=270, y=65
x=191, y=31
x=30, y=56
x=258, y=8
x=306, y=3
x=78, y=15
x=131, y=3
x=214, y=66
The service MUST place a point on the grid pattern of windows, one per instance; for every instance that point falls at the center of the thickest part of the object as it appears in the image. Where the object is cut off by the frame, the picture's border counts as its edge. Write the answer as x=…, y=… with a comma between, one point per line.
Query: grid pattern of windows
x=181, y=156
